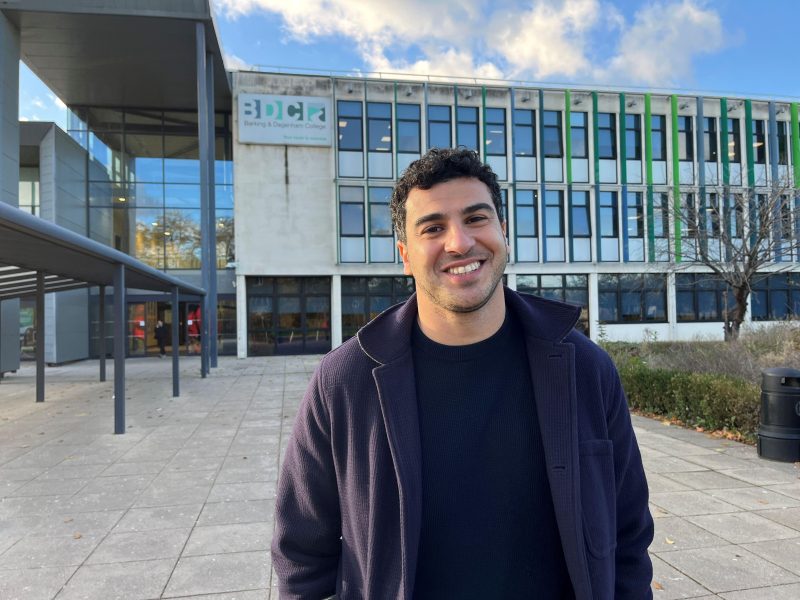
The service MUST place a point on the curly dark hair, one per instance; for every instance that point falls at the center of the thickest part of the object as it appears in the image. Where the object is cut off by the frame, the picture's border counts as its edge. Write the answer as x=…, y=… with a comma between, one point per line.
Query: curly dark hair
x=439, y=165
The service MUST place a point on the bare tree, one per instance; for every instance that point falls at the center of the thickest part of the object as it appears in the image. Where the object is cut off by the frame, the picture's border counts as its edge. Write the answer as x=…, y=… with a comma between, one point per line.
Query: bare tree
x=740, y=235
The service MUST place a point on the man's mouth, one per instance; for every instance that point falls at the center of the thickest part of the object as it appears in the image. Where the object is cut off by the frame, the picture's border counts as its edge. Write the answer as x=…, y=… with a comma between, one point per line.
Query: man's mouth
x=464, y=268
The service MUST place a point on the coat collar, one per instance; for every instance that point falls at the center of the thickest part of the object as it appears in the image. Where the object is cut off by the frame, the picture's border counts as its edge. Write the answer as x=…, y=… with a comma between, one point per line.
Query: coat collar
x=387, y=337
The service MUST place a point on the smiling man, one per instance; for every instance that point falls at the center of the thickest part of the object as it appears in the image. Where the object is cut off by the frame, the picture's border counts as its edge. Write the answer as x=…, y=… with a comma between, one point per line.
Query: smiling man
x=468, y=443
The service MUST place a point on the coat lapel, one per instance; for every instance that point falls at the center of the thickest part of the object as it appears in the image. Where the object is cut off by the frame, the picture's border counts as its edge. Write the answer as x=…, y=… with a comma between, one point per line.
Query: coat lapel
x=552, y=374
x=398, y=399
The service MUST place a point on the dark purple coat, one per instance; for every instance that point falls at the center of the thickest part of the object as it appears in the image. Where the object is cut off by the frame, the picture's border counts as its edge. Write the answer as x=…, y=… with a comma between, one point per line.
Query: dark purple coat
x=348, y=507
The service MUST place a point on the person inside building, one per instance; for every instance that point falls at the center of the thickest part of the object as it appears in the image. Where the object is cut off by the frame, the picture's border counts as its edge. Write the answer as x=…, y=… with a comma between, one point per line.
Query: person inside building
x=160, y=332
x=468, y=443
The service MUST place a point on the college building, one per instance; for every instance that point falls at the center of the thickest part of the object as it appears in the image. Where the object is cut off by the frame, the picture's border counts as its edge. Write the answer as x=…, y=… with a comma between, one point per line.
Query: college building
x=594, y=183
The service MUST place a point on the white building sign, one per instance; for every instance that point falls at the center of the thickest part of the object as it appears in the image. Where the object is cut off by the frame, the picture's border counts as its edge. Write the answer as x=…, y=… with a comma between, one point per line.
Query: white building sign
x=289, y=120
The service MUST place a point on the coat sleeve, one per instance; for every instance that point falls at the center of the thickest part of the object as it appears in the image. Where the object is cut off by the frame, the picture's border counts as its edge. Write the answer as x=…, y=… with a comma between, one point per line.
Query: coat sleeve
x=634, y=569
x=307, y=542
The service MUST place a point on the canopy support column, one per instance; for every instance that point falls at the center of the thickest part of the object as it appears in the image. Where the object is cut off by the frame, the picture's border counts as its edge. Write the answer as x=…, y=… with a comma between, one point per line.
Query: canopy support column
x=176, y=385
x=39, y=336
x=101, y=336
x=120, y=321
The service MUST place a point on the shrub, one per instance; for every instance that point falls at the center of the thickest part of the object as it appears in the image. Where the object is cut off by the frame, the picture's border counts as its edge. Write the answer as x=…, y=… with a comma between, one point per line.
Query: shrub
x=697, y=399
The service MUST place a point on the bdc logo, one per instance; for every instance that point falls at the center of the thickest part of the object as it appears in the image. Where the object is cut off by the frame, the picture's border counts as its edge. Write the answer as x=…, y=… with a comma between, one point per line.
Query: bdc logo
x=278, y=110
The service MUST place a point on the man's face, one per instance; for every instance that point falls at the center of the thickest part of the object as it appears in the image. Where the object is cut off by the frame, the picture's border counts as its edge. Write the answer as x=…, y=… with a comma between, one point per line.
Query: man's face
x=455, y=245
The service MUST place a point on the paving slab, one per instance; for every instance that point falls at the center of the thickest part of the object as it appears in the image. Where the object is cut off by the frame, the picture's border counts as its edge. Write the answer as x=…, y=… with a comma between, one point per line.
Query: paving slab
x=182, y=504
x=727, y=568
x=742, y=527
x=121, y=581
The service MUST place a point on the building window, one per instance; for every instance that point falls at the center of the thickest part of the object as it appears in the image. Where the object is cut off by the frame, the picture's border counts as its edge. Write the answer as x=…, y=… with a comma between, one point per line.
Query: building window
x=760, y=141
x=439, y=127
x=288, y=315
x=635, y=216
x=364, y=298
x=608, y=221
x=685, y=139
x=526, y=225
x=381, y=239
x=734, y=141
x=633, y=137
x=702, y=297
x=690, y=215
x=580, y=220
x=351, y=224
x=144, y=184
x=578, y=135
x=408, y=128
x=350, y=126
x=713, y=215
x=632, y=298
x=554, y=213
x=564, y=288
x=787, y=218
x=552, y=134
x=379, y=126
x=606, y=136
x=580, y=225
x=524, y=132
x=710, y=139
x=776, y=297
x=783, y=143
x=658, y=127
x=495, y=132
x=661, y=214
x=467, y=127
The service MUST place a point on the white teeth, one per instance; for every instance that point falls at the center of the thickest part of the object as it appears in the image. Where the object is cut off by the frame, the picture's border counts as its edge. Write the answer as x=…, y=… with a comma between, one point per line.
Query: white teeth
x=465, y=269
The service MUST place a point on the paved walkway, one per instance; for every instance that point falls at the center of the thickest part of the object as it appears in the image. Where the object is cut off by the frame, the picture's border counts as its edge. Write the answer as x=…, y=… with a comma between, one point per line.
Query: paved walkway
x=181, y=505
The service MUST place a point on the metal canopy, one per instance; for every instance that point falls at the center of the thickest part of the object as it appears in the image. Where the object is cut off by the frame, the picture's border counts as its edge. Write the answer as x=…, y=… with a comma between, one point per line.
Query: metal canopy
x=119, y=53
x=37, y=257
x=34, y=245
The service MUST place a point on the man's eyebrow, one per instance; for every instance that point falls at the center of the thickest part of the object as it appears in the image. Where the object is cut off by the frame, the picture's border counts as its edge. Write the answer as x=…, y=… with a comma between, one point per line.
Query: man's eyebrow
x=465, y=211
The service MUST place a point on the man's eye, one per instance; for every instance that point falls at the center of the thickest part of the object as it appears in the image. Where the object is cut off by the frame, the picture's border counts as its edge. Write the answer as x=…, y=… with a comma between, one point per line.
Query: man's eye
x=432, y=229
x=476, y=218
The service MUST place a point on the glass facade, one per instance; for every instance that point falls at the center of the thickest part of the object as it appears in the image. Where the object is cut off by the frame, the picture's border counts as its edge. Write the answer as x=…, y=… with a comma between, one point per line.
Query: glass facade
x=632, y=298
x=144, y=184
x=573, y=289
x=364, y=298
x=288, y=315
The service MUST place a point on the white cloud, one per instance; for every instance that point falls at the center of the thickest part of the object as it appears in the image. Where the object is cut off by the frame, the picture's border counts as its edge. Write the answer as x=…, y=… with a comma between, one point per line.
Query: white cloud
x=37, y=102
x=58, y=102
x=658, y=49
x=547, y=40
x=235, y=63
x=22, y=118
x=520, y=39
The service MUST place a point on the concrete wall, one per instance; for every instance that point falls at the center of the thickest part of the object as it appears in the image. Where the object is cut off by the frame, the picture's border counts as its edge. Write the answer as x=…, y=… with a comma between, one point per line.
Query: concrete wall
x=285, y=209
x=9, y=174
x=62, y=194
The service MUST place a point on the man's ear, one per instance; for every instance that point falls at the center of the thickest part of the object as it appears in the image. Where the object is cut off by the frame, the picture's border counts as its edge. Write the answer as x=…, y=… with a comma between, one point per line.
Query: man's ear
x=403, y=250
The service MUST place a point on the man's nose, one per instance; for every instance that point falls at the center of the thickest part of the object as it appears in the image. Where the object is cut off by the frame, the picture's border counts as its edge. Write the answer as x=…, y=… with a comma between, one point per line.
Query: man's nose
x=459, y=240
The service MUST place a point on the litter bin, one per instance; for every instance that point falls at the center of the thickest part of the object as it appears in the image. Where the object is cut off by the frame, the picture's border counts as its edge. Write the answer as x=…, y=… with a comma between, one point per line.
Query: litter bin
x=779, y=425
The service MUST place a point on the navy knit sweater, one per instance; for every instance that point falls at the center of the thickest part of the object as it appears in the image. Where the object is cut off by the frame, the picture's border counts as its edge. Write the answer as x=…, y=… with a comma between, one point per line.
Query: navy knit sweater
x=488, y=526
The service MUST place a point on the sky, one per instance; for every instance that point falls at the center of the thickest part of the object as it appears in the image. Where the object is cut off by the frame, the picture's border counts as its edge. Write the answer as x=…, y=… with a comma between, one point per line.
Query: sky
x=738, y=47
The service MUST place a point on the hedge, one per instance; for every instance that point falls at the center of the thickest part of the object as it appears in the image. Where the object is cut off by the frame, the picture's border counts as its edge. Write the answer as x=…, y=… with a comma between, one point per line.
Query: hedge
x=705, y=400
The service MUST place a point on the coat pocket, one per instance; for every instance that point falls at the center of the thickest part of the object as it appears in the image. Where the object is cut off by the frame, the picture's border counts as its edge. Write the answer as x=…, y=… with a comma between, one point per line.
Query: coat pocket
x=598, y=496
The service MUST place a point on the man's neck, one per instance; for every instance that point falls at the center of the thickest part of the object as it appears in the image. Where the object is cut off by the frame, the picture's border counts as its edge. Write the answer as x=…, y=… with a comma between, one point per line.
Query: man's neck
x=459, y=329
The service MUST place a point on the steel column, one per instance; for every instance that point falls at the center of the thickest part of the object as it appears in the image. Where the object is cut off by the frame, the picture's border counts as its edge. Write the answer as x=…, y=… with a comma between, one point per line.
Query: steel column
x=205, y=233
x=212, y=216
x=39, y=336
x=120, y=321
x=176, y=386
x=102, y=333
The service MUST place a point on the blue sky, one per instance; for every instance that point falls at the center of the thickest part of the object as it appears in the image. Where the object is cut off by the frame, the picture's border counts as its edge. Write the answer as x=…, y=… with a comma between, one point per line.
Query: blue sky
x=735, y=46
